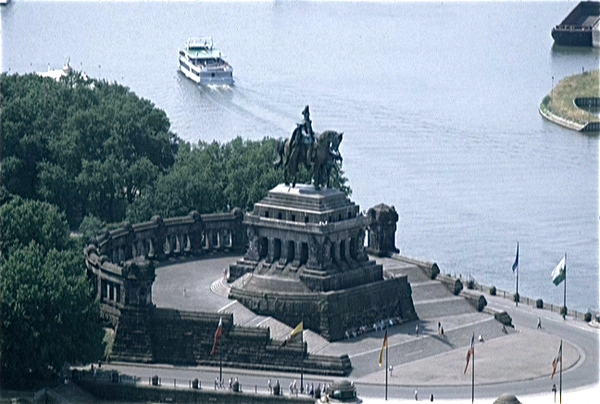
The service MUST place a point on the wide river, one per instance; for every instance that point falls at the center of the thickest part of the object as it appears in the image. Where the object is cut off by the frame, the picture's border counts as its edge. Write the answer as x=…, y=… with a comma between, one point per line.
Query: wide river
x=438, y=102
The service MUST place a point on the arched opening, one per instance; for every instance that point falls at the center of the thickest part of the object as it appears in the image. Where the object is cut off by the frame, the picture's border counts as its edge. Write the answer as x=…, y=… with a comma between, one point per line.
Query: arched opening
x=263, y=247
x=291, y=251
x=304, y=253
x=276, y=249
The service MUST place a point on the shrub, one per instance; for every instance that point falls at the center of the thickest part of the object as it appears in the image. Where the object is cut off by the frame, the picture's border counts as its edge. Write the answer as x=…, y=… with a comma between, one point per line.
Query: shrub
x=587, y=317
x=493, y=291
x=516, y=297
x=539, y=303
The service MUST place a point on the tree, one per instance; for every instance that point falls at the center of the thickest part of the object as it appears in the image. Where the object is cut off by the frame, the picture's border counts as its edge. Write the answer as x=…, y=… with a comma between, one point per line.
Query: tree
x=71, y=142
x=23, y=221
x=49, y=312
x=49, y=315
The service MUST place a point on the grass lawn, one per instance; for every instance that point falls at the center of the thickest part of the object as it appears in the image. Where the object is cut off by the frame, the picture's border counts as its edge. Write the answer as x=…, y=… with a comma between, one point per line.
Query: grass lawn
x=561, y=101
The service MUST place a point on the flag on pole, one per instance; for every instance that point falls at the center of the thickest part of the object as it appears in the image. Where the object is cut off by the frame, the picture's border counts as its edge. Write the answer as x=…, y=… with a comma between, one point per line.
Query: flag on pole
x=560, y=272
x=218, y=334
x=516, y=264
x=298, y=330
x=556, y=360
x=385, y=342
x=470, y=352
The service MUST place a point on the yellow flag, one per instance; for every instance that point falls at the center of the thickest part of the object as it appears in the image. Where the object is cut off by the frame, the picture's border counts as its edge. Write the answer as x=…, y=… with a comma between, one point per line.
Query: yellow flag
x=299, y=328
x=383, y=346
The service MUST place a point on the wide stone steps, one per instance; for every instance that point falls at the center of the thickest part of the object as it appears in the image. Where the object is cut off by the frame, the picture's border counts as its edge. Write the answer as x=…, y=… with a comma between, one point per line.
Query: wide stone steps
x=220, y=287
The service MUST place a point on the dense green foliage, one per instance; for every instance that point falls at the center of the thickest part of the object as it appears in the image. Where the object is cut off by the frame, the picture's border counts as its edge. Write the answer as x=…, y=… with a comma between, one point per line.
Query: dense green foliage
x=49, y=314
x=88, y=147
x=213, y=177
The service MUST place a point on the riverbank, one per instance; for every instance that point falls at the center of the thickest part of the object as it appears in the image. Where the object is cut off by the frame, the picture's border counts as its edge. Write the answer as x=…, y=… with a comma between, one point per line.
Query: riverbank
x=574, y=102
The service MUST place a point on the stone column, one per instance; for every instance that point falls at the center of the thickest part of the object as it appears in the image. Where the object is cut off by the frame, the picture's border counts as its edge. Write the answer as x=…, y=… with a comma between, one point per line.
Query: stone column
x=209, y=240
x=271, y=252
x=158, y=238
x=315, y=253
x=336, y=252
x=252, y=254
x=283, y=258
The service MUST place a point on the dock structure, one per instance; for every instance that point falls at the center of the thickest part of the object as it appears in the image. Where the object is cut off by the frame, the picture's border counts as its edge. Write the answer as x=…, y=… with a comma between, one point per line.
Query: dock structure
x=581, y=27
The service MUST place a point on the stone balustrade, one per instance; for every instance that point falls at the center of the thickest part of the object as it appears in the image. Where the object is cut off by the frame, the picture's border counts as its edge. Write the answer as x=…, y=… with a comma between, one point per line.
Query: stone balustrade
x=121, y=262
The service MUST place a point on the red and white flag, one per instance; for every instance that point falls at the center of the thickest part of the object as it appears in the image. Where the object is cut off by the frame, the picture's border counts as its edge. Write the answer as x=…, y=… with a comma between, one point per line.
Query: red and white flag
x=556, y=360
x=218, y=334
x=470, y=352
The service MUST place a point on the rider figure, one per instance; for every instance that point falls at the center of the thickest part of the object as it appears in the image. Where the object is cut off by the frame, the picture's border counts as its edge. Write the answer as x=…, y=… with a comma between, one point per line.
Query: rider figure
x=309, y=135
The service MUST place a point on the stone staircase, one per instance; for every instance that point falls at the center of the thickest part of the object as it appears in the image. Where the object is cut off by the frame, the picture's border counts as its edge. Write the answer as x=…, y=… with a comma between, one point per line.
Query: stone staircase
x=132, y=341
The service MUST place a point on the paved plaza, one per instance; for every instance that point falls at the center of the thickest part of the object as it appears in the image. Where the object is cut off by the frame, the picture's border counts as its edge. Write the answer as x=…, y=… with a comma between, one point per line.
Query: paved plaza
x=518, y=361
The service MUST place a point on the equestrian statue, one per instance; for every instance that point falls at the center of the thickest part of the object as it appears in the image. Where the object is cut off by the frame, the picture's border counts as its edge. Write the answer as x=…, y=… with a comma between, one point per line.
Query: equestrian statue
x=317, y=152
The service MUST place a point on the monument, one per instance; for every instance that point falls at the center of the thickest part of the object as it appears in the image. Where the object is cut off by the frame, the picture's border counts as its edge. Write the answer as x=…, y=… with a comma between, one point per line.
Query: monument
x=306, y=258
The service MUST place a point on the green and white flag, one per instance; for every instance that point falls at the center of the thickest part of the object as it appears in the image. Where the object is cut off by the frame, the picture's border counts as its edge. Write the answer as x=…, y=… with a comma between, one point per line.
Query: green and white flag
x=560, y=272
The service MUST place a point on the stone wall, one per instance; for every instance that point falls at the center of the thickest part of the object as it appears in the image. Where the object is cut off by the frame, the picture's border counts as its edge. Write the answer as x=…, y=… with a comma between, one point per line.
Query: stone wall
x=332, y=313
x=186, y=338
x=123, y=392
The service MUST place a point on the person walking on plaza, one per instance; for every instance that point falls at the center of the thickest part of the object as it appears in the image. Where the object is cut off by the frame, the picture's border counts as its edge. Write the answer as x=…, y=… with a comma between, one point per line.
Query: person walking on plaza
x=416, y=395
x=417, y=330
x=539, y=323
x=270, y=387
x=439, y=327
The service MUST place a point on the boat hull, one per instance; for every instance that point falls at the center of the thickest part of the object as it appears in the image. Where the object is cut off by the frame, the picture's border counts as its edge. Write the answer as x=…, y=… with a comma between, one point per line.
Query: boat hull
x=207, y=76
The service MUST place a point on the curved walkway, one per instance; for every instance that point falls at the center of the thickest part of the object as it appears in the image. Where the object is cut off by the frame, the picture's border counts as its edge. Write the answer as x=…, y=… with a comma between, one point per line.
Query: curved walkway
x=520, y=362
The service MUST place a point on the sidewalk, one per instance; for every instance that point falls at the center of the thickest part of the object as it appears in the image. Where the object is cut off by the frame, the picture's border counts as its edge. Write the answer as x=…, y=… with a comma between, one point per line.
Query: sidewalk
x=585, y=396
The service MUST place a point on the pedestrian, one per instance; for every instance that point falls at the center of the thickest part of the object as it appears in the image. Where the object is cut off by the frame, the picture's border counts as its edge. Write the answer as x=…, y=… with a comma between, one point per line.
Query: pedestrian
x=216, y=382
x=270, y=386
x=439, y=327
x=416, y=395
x=539, y=323
x=431, y=397
x=417, y=330
x=296, y=386
x=391, y=370
x=230, y=383
x=442, y=331
x=291, y=387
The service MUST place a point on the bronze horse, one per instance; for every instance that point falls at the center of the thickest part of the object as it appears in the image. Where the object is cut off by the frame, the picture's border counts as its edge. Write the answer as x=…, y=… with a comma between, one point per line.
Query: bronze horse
x=320, y=155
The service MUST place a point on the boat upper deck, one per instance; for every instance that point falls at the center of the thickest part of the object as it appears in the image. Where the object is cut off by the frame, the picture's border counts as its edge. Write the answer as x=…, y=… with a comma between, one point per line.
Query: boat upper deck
x=584, y=16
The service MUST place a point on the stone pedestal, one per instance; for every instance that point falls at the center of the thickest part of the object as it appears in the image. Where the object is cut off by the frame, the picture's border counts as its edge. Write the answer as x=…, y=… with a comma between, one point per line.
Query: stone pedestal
x=306, y=252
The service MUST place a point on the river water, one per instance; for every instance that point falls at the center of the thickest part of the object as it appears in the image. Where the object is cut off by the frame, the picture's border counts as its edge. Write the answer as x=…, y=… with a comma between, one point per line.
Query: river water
x=438, y=102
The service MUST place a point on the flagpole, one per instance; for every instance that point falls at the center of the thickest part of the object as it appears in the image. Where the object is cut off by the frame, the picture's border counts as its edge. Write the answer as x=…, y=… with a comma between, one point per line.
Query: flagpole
x=302, y=360
x=220, y=367
x=517, y=294
x=473, y=372
x=565, y=292
x=560, y=384
x=516, y=267
x=386, y=363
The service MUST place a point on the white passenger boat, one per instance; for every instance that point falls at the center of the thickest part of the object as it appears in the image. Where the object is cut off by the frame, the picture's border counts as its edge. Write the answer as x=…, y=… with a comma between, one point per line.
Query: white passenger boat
x=204, y=64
